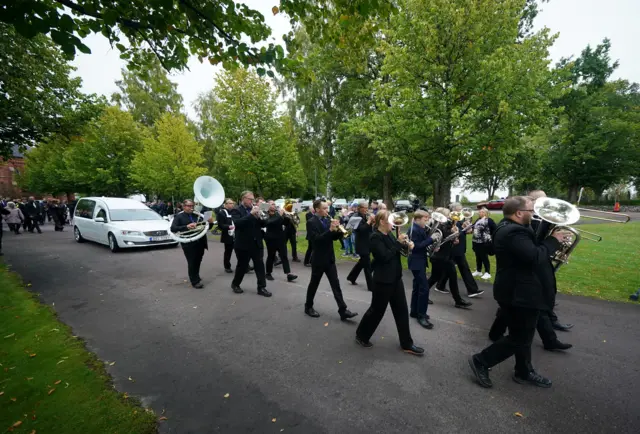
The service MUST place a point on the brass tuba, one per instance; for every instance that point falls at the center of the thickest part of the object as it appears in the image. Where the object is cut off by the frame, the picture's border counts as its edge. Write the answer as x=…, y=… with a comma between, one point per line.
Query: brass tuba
x=399, y=219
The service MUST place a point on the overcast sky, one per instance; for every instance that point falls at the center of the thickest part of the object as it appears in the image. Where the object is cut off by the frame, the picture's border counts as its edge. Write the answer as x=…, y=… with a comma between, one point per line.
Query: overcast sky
x=578, y=22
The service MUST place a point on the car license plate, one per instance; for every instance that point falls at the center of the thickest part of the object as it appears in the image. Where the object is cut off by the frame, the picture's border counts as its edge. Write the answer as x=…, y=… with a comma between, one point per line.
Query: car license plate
x=162, y=238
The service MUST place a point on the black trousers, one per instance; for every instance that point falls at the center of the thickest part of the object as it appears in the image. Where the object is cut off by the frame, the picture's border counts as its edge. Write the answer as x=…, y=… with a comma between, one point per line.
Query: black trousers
x=363, y=264
x=226, y=259
x=194, y=254
x=31, y=224
x=244, y=256
x=445, y=268
x=280, y=247
x=307, y=255
x=291, y=238
x=481, y=251
x=387, y=295
x=332, y=274
x=521, y=323
x=14, y=227
x=469, y=282
x=544, y=327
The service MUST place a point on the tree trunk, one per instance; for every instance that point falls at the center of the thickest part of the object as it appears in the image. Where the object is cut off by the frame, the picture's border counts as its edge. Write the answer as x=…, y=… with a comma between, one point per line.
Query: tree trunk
x=573, y=193
x=441, y=192
x=386, y=190
x=329, y=160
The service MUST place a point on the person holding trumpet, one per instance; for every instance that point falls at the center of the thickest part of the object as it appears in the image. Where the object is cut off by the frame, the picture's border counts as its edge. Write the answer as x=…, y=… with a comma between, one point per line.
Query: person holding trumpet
x=388, y=288
x=321, y=233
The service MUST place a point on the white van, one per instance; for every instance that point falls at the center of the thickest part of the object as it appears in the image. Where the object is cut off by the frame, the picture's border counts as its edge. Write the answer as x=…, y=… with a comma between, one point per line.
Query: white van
x=119, y=223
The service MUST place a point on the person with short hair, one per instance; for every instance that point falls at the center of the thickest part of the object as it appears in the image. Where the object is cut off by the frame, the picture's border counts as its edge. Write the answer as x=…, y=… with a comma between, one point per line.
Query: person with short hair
x=322, y=232
x=388, y=288
x=519, y=292
x=363, y=233
x=276, y=243
x=225, y=223
x=482, y=243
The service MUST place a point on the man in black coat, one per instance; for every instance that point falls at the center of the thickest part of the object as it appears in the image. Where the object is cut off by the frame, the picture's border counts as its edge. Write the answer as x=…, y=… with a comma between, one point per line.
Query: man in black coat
x=248, y=243
x=32, y=214
x=363, y=233
x=519, y=291
x=193, y=251
x=276, y=242
x=322, y=232
x=225, y=223
x=307, y=255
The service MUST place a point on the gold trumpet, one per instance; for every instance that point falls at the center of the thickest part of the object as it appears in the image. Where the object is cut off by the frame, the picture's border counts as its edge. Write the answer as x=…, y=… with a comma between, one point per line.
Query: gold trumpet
x=345, y=232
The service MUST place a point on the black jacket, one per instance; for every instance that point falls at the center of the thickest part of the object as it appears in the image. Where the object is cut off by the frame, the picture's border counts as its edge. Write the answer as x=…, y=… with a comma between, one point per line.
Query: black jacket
x=224, y=223
x=446, y=249
x=520, y=279
x=249, y=234
x=386, y=265
x=322, y=243
x=33, y=210
x=418, y=258
x=3, y=211
x=308, y=216
x=275, y=230
x=179, y=224
x=363, y=234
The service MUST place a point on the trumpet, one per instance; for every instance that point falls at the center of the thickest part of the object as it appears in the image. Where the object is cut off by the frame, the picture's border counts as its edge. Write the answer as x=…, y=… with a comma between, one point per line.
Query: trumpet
x=346, y=233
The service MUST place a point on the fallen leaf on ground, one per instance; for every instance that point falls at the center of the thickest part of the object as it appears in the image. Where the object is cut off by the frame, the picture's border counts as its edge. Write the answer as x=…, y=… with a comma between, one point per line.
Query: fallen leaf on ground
x=58, y=382
x=112, y=363
x=59, y=362
x=14, y=399
x=163, y=418
x=51, y=391
x=131, y=379
x=1, y=393
x=29, y=378
x=125, y=396
x=517, y=413
x=226, y=395
x=10, y=336
x=273, y=420
x=17, y=424
x=28, y=284
x=195, y=307
x=32, y=355
x=604, y=340
x=55, y=330
x=326, y=324
x=459, y=322
x=33, y=432
x=381, y=337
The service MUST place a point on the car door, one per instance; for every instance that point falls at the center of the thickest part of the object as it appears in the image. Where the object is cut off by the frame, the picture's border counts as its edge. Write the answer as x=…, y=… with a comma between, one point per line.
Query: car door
x=101, y=229
x=83, y=218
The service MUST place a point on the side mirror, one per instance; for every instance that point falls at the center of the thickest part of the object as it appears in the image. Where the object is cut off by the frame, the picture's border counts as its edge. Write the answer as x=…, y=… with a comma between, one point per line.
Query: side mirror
x=99, y=220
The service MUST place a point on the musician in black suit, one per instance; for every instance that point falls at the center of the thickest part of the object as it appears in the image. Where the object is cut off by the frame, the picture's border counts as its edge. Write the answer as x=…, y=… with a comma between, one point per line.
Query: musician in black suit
x=275, y=239
x=307, y=256
x=248, y=243
x=291, y=233
x=32, y=214
x=417, y=263
x=225, y=223
x=547, y=320
x=443, y=265
x=519, y=291
x=322, y=232
x=363, y=232
x=193, y=251
x=388, y=289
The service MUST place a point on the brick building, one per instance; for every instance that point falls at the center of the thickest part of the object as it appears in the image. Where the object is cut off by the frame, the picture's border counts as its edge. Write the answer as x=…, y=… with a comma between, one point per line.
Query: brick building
x=9, y=172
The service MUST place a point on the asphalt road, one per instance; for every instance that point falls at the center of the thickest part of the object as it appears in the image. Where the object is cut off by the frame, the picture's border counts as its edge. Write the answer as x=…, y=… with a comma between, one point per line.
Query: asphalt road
x=185, y=349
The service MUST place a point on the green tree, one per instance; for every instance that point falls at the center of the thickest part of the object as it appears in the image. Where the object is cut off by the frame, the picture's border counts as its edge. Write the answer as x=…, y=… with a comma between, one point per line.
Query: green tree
x=253, y=146
x=99, y=162
x=595, y=142
x=37, y=91
x=169, y=162
x=460, y=74
x=147, y=93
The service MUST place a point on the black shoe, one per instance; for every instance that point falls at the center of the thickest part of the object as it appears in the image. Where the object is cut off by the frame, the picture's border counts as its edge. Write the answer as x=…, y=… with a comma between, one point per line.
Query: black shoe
x=480, y=371
x=228, y=270
x=363, y=343
x=311, y=312
x=263, y=292
x=353, y=282
x=347, y=314
x=296, y=260
x=424, y=322
x=413, y=315
x=562, y=327
x=291, y=277
x=463, y=304
x=198, y=285
x=532, y=378
x=443, y=290
x=307, y=265
x=236, y=289
x=269, y=277
x=277, y=263
x=430, y=301
x=475, y=294
x=557, y=345
x=416, y=351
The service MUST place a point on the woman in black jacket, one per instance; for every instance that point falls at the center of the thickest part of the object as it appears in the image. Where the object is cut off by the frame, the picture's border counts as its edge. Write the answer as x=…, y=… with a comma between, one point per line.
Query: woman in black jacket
x=388, y=288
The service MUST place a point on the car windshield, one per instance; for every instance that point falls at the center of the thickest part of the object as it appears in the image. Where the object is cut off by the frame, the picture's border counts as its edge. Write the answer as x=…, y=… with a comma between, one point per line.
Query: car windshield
x=122, y=215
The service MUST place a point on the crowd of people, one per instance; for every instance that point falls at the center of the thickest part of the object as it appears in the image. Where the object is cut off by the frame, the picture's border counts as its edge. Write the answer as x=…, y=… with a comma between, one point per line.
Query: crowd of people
x=524, y=284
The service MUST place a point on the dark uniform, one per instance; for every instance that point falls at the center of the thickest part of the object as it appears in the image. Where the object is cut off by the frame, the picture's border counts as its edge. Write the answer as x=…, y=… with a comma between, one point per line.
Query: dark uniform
x=363, y=233
x=193, y=251
x=276, y=242
x=249, y=247
x=224, y=223
x=307, y=255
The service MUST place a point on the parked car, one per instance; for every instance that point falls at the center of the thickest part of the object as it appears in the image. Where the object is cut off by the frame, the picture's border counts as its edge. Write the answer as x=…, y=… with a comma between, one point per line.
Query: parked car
x=492, y=204
x=305, y=205
x=119, y=223
x=279, y=203
x=339, y=204
x=403, y=205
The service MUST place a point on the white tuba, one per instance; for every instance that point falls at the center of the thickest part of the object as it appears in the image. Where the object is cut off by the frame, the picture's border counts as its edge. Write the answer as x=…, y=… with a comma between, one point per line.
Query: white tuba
x=209, y=193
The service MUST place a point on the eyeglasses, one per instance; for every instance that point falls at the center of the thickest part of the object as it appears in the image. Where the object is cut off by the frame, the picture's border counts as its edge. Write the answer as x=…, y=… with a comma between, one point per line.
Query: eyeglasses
x=189, y=205
x=527, y=210
x=250, y=198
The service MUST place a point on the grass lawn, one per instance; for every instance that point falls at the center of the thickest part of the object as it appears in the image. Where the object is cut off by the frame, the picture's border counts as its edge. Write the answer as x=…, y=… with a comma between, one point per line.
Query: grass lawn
x=609, y=270
x=49, y=383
